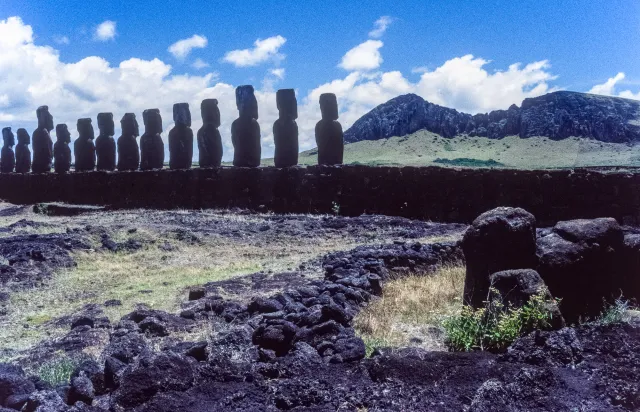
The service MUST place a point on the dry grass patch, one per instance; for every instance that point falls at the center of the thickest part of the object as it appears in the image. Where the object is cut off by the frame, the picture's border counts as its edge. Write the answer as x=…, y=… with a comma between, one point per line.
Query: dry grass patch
x=410, y=307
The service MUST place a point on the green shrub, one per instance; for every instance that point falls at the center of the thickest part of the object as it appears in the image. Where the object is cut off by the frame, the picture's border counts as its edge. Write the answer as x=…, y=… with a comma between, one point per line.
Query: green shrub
x=615, y=313
x=494, y=327
x=57, y=370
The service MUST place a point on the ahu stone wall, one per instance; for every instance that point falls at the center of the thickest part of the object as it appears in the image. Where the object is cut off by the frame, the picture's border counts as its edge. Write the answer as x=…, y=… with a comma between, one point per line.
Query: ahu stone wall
x=429, y=193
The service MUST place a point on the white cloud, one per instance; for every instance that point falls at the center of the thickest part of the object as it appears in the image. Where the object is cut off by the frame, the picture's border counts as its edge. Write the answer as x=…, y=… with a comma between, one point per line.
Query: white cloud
x=263, y=50
x=182, y=48
x=105, y=31
x=279, y=73
x=199, y=64
x=61, y=39
x=608, y=88
x=365, y=56
x=33, y=75
x=380, y=26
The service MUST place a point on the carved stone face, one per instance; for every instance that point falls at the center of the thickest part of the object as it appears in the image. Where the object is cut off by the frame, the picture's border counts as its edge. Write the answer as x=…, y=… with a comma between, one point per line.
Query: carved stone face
x=85, y=129
x=210, y=112
x=152, y=121
x=45, y=120
x=7, y=137
x=105, y=124
x=129, y=125
x=246, y=102
x=287, y=103
x=329, y=106
x=62, y=133
x=23, y=137
x=181, y=114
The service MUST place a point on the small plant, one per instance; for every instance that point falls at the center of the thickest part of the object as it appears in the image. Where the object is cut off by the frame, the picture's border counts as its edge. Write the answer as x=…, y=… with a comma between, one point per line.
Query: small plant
x=335, y=208
x=495, y=326
x=615, y=313
x=57, y=370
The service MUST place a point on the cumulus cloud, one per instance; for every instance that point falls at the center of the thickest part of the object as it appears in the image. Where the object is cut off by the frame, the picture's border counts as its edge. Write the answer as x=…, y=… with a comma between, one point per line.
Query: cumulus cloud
x=608, y=88
x=262, y=51
x=199, y=64
x=380, y=26
x=182, y=48
x=34, y=75
x=105, y=31
x=61, y=39
x=365, y=56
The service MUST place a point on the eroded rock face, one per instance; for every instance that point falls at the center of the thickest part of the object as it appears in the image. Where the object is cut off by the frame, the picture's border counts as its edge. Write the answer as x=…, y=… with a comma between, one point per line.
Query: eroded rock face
x=23, y=154
x=285, y=129
x=582, y=263
x=42, y=143
x=329, y=137
x=151, y=145
x=209, y=139
x=84, y=149
x=557, y=115
x=245, y=131
x=500, y=239
x=181, y=138
x=128, y=151
x=105, y=143
x=7, y=157
x=61, y=150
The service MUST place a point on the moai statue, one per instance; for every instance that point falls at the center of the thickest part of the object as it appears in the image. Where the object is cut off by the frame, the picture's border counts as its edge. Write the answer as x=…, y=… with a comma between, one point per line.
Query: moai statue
x=285, y=129
x=151, y=145
x=209, y=139
x=61, y=150
x=181, y=138
x=7, y=157
x=329, y=137
x=105, y=144
x=245, y=131
x=128, y=151
x=23, y=154
x=42, y=143
x=84, y=149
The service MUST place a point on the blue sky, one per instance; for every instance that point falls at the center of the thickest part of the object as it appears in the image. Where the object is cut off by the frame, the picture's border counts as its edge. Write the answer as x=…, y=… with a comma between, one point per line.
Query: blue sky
x=456, y=53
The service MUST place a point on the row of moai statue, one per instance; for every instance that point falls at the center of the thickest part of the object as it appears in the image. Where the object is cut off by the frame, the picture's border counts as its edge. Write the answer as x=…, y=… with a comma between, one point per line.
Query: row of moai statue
x=245, y=136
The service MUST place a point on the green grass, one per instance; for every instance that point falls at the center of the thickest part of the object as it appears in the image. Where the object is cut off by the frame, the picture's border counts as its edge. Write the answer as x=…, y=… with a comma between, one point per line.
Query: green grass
x=466, y=162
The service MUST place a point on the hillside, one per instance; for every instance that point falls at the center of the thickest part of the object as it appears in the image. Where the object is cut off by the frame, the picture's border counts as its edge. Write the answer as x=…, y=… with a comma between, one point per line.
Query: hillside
x=424, y=148
x=557, y=115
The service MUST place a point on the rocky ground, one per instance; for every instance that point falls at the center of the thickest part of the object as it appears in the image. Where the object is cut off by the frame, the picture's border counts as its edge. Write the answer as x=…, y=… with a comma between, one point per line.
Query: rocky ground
x=280, y=338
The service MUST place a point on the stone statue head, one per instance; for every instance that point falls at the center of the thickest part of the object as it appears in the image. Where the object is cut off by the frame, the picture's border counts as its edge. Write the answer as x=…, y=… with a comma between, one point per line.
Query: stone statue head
x=85, y=129
x=210, y=112
x=7, y=137
x=129, y=125
x=45, y=120
x=287, y=103
x=246, y=102
x=329, y=106
x=62, y=133
x=181, y=114
x=105, y=124
x=23, y=137
x=152, y=121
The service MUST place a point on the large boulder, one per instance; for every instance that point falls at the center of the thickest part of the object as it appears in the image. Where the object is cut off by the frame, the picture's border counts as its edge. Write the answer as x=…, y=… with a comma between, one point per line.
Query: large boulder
x=580, y=261
x=14, y=386
x=500, y=239
x=631, y=267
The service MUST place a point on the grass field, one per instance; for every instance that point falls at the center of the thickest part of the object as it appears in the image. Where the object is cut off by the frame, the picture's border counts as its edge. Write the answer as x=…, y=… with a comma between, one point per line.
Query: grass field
x=429, y=149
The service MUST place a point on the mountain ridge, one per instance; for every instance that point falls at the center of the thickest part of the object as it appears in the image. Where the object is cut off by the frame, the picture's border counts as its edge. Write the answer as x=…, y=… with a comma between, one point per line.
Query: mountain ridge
x=557, y=115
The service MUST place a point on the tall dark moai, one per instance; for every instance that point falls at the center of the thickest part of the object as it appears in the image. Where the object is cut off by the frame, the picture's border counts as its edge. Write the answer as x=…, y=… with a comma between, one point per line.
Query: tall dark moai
x=105, y=143
x=84, y=149
x=151, y=145
x=245, y=130
x=42, y=143
x=181, y=138
x=329, y=136
x=128, y=150
x=285, y=129
x=7, y=157
x=61, y=150
x=209, y=139
x=23, y=154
